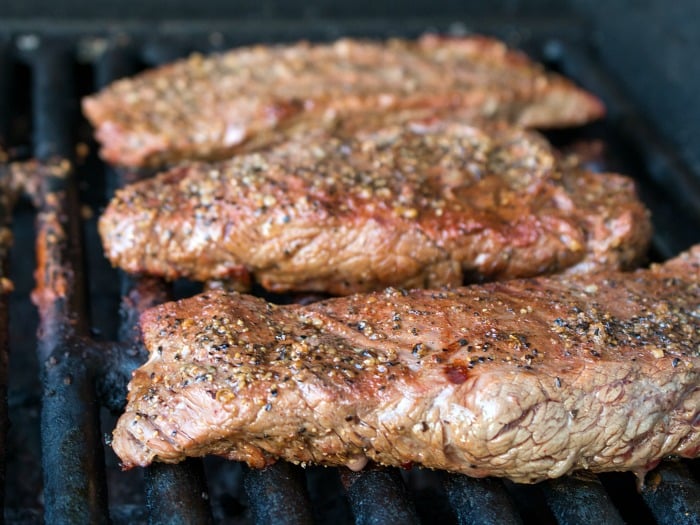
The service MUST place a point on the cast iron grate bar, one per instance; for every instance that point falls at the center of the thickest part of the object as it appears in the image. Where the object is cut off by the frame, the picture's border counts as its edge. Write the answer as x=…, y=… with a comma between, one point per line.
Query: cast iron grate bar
x=329, y=502
x=59, y=233
x=278, y=495
x=72, y=459
x=581, y=500
x=177, y=494
x=673, y=495
x=377, y=496
x=480, y=501
x=6, y=202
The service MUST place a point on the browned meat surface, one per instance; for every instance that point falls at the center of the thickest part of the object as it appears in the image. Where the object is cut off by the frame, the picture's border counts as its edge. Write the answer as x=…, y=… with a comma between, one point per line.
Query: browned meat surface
x=527, y=379
x=412, y=205
x=206, y=107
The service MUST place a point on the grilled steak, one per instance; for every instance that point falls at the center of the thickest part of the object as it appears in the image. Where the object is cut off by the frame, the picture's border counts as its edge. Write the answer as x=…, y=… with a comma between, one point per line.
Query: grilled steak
x=207, y=107
x=527, y=379
x=412, y=205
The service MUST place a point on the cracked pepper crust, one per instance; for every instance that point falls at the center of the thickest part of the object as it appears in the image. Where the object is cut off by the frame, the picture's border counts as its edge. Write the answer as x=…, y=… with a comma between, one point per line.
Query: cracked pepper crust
x=419, y=203
x=527, y=379
x=206, y=108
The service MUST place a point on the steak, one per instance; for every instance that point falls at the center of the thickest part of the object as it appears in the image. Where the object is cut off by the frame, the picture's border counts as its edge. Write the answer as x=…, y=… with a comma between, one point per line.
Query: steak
x=416, y=204
x=207, y=107
x=526, y=379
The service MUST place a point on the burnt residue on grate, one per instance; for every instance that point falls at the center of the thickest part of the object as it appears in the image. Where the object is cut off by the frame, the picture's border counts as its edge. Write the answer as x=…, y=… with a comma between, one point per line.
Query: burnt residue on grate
x=88, y=341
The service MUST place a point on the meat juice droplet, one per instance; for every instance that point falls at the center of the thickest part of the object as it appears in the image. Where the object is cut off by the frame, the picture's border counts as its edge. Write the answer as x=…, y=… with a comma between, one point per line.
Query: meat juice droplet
x=456, y=374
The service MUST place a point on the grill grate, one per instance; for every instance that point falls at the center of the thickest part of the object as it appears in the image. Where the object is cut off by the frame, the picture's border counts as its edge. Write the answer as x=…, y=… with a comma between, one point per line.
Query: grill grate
x=86, y=356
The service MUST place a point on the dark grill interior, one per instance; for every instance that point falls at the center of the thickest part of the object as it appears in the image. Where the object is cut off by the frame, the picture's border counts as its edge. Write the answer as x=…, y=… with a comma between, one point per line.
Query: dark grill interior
x=66, y=384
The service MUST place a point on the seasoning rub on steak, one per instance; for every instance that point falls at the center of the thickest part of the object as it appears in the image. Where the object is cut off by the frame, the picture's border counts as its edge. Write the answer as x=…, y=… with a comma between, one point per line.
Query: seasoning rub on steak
x=206, y=107
x=526, y=379
x=416, y=204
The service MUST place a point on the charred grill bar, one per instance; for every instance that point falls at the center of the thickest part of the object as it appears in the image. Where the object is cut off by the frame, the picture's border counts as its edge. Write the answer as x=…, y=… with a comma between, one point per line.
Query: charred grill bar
x=278, y=495
x=671, y=498
x=71, y=441
x=6, y=202
x=388, y=501
x=581, y=499
x=481, y=501
x=82, y=373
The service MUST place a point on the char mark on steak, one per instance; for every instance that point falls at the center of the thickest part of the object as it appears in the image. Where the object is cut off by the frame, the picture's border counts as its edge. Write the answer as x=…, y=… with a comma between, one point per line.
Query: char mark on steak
x=205, y=108
x=414, y=204
x=526, y=379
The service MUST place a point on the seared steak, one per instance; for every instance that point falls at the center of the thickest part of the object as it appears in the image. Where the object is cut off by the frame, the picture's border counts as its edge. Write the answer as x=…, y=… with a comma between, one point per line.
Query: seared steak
x=527, y=379
x=412, y=205
x=206, y=107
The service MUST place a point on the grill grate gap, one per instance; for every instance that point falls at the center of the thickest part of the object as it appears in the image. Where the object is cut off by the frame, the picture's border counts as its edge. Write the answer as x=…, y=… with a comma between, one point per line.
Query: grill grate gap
x=227, y=494
x=622, y=489
x=329, y=501
x=531, y=503
x=17, y=129
x=428, y=492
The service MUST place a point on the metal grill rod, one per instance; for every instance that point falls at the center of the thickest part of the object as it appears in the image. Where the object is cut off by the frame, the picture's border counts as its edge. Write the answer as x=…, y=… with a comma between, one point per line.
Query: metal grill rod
x=480, y=501
x=673, y=495
x=377, y=496
x=579, y=500
x=74, y=482
x=6, y=202
x=278, y=495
